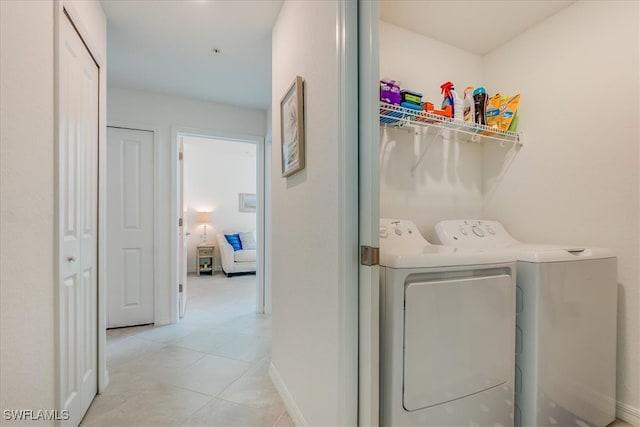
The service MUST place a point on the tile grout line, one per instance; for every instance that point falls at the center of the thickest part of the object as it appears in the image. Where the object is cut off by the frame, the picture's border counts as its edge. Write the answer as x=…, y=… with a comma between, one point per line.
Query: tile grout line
x=237, y=379
x=242, y=326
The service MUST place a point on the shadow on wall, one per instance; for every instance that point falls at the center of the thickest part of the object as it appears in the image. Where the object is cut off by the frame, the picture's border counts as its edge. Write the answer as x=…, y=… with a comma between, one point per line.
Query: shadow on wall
x=413, y=161
x=497, y=161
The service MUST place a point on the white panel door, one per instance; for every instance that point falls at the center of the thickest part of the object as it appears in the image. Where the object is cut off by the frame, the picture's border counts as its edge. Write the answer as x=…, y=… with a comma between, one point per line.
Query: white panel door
x=130, y=225
x=77, y=227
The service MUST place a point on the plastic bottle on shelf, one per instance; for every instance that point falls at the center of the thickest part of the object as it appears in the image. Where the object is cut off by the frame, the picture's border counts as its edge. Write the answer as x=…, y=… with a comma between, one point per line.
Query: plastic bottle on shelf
x=452, y=98
x=458, y=105
x=469, y=111
x=479, y=105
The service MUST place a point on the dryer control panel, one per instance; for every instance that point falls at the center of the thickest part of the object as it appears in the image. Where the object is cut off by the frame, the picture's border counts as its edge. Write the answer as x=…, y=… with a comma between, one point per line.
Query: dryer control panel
x=400, y=234
x=472, y=233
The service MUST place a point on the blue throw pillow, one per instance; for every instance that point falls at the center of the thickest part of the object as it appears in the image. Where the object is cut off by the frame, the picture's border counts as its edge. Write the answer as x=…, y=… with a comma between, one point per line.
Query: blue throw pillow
x=234, y=240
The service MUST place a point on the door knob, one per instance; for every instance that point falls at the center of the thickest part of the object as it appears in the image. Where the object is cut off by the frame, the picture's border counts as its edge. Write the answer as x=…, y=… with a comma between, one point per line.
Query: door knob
x=187, y=234
x=71, y=258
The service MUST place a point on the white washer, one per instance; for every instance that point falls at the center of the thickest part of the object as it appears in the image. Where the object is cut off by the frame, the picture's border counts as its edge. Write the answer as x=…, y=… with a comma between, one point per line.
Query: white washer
x=566, y=326
x=447, y=332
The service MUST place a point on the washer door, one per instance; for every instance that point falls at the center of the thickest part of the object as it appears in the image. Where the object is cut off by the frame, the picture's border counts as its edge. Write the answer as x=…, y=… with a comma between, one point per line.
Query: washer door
x=458, y=338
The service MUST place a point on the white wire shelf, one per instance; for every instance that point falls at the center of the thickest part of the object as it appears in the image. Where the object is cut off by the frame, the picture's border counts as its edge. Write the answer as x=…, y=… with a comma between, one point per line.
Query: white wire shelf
x=396, y=116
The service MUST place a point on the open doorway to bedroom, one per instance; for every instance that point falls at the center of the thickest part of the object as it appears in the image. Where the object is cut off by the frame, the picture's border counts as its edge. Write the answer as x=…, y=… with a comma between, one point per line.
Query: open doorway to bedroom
x=220, y=197
x=220, y=205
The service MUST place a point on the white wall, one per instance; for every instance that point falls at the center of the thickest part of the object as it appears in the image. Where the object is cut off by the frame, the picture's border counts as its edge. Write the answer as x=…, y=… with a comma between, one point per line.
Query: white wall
x=308, y=258
x=448, y=180
x=26, y=175
x=576, y=180
x=215, y=172
x=27, y=347
x=161, y=113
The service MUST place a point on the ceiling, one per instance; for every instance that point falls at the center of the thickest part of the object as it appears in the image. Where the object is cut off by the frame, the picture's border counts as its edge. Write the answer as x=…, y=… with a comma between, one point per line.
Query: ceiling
x=477, y=26
x=166, y=46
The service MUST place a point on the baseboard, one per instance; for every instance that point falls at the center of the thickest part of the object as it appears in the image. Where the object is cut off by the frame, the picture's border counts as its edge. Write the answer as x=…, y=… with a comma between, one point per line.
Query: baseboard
x=289, y=403
x=628, y=413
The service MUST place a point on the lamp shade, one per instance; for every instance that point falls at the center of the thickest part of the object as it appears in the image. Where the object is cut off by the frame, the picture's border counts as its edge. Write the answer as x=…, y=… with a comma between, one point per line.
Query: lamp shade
x=204, y=217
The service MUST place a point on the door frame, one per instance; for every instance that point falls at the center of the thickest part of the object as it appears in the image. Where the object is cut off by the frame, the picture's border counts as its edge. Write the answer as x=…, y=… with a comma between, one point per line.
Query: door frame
x=98, y=52
x=348, y=209
x=121, y=124
x=263, y=291
x=369, y=215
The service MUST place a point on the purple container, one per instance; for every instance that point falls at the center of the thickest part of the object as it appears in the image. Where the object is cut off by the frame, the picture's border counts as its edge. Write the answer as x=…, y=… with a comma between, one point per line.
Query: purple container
x=390, y=92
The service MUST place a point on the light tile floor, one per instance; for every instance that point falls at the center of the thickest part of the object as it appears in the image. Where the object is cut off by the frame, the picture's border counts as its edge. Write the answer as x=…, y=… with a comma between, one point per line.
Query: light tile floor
x=210, y=369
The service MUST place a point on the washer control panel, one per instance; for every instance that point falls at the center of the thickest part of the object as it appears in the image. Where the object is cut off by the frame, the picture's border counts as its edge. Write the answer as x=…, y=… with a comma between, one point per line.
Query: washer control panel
x=472, y=233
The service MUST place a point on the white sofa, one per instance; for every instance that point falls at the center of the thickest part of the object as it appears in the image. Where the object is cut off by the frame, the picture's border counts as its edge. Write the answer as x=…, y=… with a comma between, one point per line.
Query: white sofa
x=235, y=262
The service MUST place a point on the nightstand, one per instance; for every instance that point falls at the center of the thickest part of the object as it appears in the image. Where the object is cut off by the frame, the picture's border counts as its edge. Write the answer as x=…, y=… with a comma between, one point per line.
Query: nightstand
x=206, y=258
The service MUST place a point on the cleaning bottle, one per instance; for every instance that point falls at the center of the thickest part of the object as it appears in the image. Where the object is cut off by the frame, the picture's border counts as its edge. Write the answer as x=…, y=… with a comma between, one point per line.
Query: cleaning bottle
x=452, y=98
x=468, y=105
x=479, y=105
x=445, y=89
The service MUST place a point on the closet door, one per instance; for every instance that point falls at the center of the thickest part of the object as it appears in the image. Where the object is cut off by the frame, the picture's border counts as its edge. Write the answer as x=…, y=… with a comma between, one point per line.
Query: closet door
x=130, y=240
x=77, y=227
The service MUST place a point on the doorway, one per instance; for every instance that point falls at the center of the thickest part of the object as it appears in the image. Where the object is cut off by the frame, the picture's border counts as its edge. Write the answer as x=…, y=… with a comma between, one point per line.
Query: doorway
x=227, y=177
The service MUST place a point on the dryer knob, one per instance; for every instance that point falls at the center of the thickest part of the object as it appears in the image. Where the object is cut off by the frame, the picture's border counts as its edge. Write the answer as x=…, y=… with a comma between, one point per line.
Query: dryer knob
x=477, y=231
x=463, y=231
x=397, y=230
x=490, y=230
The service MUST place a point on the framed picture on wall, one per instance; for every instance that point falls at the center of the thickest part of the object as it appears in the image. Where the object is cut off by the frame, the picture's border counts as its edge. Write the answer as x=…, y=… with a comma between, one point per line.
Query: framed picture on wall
x=292, y=128
x=248, y=202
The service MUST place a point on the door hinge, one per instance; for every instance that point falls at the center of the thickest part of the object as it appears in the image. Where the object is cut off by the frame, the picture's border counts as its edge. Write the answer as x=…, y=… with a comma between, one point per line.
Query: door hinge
x=369, y=255
x=180, y=155
x=179, y=222
x=180, y=287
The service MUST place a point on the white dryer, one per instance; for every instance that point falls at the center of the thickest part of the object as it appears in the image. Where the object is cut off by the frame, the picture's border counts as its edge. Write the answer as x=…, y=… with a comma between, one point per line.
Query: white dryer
x=447, y=332
x=566, y=325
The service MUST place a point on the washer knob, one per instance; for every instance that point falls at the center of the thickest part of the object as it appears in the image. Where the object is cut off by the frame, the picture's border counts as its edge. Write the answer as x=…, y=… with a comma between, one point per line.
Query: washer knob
x=477, y=231
x=490, y=230
x=463, y=231
x=397, y=230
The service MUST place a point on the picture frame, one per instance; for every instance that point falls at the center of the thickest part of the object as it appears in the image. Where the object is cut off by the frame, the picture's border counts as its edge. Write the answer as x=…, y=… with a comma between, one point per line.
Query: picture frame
x=247, y=202
x=292, y=130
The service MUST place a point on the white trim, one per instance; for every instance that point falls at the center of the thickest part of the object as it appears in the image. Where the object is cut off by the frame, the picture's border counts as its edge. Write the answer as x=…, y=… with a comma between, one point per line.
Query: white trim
x=260, y=227
x=159, y=315
x=294, y=412
x=176, y=131
x=268, y=146
x=347, y=116
x=94, y=49
x=58, y=15
x=628, y=413
x=369, y=215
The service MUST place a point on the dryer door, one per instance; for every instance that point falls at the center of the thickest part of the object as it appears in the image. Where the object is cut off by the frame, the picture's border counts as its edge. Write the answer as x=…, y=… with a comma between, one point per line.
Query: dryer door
x=458, y=338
